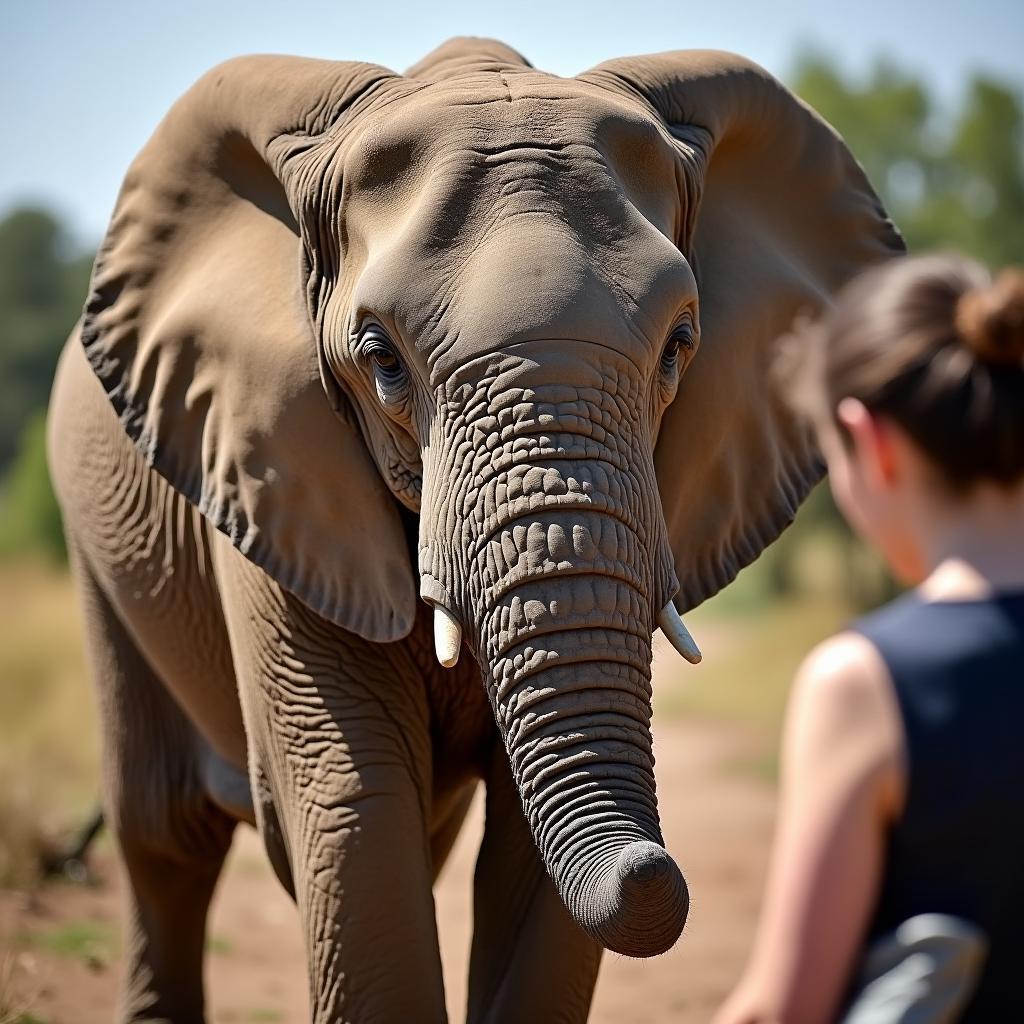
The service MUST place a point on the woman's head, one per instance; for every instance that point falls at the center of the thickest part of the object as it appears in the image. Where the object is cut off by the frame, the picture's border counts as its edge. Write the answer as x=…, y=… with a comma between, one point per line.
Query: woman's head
x=917, y=387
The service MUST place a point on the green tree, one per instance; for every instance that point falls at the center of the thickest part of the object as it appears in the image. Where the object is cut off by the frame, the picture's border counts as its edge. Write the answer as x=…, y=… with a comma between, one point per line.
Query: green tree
x=30, y=520
x=43, y=285
x=976, y=202
x=952, y=179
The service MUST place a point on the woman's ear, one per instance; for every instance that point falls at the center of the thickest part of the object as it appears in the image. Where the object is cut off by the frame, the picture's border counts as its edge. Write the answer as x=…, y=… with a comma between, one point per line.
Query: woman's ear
x=197, y=326
x=876, y=449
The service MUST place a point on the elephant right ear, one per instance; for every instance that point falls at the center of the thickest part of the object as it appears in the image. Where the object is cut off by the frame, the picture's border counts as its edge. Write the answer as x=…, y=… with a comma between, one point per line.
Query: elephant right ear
x=198, y=329
x=778, y=217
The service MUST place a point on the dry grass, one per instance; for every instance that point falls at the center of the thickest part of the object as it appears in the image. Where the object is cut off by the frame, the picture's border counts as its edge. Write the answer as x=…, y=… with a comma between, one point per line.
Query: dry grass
x=13, y=1008
x=753, y=644
x=48, y=740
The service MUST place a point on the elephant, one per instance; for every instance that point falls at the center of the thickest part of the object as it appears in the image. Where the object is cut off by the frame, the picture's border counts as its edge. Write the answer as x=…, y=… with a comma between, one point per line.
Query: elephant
x=376, y=368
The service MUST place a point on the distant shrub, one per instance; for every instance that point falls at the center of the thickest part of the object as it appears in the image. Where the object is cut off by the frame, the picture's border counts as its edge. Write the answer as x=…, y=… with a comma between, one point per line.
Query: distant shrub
x=30, y=520
x=44, y=280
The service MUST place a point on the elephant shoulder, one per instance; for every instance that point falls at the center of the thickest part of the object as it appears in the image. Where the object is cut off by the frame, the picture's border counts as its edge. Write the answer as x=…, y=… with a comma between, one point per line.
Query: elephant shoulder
x=124, y=519
x=88, y=450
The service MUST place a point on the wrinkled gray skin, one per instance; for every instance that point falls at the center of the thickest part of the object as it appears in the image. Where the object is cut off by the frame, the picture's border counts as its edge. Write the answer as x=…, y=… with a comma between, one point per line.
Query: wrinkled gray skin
x=356, y=322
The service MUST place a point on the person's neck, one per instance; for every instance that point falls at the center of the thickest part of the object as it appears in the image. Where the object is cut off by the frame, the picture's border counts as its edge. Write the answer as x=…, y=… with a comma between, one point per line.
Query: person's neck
x=975, y=548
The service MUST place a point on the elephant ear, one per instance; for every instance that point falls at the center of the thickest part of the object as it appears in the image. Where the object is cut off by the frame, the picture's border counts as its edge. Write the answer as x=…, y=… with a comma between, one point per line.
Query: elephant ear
x=197, y=326
x=778, y=215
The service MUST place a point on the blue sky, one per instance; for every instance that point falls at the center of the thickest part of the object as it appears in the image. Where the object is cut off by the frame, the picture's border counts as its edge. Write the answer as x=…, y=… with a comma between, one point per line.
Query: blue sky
x=83, y=82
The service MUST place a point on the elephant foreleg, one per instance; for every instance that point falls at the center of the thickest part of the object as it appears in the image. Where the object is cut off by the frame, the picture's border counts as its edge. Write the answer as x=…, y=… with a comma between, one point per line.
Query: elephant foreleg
x=339, y=736
x=529, y=960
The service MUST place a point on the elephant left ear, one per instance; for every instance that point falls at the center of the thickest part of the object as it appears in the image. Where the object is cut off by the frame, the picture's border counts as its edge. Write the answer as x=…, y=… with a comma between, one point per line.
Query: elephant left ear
x=197, y=326
x=777, y=217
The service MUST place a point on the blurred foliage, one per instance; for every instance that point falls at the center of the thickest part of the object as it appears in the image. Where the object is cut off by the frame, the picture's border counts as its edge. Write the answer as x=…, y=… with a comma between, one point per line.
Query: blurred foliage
x=29, y=515
x=952, y=179
x=43, y=285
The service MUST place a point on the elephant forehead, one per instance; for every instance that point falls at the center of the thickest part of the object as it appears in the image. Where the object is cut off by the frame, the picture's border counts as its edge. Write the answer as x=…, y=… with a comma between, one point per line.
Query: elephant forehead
x=506, y=108
x=469, y=213
x=476, y=137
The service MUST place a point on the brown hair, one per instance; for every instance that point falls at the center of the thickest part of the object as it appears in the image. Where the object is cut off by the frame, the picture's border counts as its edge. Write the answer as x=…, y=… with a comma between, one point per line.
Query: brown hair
x=936, y=345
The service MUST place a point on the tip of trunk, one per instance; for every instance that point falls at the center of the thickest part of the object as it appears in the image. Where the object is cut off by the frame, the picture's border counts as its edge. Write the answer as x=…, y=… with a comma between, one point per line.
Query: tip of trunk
x=645, y=902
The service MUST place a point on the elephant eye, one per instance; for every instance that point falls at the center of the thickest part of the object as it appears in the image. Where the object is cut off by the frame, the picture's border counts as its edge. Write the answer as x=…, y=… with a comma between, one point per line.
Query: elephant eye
x=390, y=378
x=681, y=337
x=384, y=359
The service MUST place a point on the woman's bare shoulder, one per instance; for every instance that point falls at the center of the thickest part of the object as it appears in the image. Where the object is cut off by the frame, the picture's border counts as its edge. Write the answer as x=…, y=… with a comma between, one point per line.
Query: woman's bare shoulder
x=845, y=668
x=843, y=707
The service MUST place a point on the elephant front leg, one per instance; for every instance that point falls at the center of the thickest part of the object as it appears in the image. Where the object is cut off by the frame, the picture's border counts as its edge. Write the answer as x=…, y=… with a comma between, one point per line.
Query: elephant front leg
x=362, y=880
x=339, y=739
x=348, y=786
x=530, y=960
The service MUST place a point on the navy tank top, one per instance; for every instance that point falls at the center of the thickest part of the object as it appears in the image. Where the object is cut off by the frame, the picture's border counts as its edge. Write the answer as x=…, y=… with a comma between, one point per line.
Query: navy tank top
x=957, y=669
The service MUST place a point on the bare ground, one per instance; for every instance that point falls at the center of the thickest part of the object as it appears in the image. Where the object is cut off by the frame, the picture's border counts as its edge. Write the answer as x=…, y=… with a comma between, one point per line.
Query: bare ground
x=60, y=944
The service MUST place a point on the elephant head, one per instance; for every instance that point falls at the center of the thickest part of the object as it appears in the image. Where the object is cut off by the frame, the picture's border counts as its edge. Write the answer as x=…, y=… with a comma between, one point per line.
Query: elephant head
x=534, y=311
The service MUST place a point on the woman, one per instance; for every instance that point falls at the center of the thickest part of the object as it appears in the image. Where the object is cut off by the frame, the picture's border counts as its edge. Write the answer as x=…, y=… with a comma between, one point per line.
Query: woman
x=903, y=754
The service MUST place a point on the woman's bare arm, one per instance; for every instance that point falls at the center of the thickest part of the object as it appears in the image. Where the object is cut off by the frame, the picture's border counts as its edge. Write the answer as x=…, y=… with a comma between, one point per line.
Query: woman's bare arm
x=843, y=778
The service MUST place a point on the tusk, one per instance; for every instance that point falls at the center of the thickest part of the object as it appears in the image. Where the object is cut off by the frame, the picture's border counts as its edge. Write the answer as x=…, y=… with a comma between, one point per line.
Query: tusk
x=447, y=636
x=678, y=635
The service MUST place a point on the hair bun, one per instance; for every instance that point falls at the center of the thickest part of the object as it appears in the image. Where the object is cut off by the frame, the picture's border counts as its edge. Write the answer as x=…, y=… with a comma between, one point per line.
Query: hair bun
x=991, y=320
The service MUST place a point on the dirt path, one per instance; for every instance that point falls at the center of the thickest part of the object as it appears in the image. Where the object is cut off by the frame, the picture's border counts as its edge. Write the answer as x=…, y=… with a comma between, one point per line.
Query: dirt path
x=61, y=944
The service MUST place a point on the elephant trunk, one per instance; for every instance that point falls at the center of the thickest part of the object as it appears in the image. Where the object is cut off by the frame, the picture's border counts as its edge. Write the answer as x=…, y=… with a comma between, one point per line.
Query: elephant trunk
x=567, y=657
x=550, y=549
